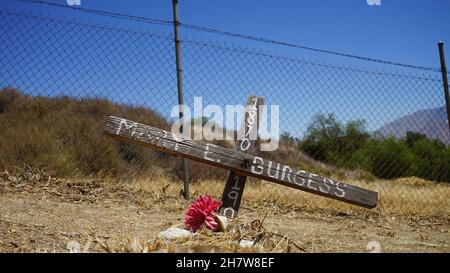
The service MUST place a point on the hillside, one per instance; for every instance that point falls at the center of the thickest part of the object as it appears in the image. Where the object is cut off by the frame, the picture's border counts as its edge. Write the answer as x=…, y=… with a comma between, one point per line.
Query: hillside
x=64, y=136
x=431, y=122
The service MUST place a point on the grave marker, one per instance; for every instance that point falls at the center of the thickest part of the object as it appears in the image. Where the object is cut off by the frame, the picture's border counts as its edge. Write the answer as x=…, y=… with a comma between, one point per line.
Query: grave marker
x=241, y=163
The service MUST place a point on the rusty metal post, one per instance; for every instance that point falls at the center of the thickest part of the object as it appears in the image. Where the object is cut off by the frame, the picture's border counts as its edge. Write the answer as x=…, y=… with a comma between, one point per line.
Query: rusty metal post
x=180, y=90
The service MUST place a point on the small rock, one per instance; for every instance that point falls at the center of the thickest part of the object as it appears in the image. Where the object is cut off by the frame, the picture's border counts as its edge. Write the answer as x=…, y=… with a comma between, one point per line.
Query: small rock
x=174, y=233
x=134, y=246
x=73, y=247
x=246, y=243
x=222, y=221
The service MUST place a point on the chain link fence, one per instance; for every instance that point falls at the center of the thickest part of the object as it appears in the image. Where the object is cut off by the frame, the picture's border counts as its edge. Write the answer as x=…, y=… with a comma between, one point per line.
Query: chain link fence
x=382, y=128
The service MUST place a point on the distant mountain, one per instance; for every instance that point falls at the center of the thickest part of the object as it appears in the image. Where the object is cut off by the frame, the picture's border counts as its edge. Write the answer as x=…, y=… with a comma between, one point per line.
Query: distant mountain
x=431, y=122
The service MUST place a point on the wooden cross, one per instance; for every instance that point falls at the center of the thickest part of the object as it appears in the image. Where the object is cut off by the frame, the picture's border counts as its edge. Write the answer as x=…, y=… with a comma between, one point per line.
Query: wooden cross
x=241, y=163
x=234, y=188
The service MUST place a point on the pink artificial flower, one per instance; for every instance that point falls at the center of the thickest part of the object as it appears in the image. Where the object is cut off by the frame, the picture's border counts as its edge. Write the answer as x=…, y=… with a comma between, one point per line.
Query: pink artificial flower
x=201, y=212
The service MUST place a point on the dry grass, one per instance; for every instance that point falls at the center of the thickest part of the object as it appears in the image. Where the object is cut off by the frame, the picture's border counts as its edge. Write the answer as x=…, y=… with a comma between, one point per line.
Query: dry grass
x=409, y=208
x=64, y=136
x=405, y=196
x=45, y=213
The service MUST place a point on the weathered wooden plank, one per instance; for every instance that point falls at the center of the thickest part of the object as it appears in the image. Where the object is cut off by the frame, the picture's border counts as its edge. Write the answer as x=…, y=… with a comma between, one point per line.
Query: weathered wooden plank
x=241, y=163
x=234, y=187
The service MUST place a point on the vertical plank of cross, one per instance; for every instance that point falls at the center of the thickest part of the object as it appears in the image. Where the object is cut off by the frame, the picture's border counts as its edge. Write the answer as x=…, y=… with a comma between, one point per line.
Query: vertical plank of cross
x=234, y=188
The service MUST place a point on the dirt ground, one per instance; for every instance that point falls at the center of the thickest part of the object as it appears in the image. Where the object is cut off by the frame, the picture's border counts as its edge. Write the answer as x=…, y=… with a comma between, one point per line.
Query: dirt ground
x=45, y=214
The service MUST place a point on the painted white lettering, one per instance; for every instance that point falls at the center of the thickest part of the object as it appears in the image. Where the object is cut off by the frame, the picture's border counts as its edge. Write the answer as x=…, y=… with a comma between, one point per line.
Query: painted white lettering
x=341, y=191
x=302, y=180
x=310, y=185
x=286, y=173
x=123, y=122
x=310, y=181
x=229, y=212
x=326, y=188
x=206, y=152
x=245, y=144
x=277, y=171
x=257, y=166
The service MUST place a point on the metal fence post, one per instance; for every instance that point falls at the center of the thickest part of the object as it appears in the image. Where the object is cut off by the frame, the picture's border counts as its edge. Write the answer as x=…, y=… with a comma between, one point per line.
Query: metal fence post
x=180, y=90
x=444, y=80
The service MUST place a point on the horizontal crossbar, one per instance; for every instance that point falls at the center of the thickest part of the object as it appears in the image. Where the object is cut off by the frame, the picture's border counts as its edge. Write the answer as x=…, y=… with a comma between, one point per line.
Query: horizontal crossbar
x=241, y=163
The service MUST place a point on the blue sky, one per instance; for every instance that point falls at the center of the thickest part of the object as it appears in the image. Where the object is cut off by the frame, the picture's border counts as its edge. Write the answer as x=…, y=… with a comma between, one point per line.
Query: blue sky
x=402, y=30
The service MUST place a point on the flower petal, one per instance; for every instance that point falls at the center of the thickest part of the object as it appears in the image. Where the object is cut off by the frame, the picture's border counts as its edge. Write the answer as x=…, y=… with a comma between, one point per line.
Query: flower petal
x=201, y=212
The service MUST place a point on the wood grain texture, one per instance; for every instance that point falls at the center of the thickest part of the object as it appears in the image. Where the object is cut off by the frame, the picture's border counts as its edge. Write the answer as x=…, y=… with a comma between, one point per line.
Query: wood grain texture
x=241, y=163
x=234, y=187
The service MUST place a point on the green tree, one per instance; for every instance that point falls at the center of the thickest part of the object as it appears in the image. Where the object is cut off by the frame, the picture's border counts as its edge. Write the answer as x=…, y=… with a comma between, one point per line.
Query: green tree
x=355, y=136
x=389, y=158
x=350, y=146
x=322, y=134
x=432, y=159
x=328, y=140
x=412, y=137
